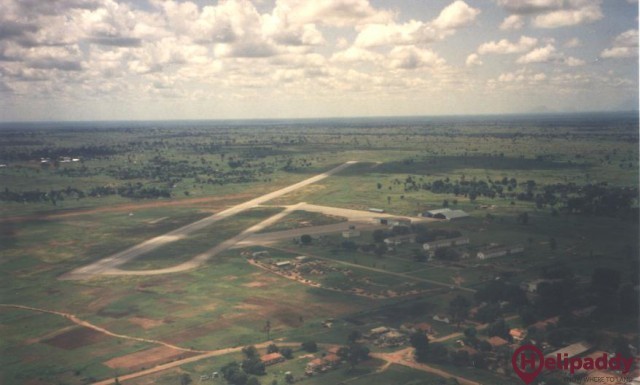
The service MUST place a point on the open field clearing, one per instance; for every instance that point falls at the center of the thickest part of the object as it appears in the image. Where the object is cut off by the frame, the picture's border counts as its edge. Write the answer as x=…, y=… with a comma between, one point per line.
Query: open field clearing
x=251, y=237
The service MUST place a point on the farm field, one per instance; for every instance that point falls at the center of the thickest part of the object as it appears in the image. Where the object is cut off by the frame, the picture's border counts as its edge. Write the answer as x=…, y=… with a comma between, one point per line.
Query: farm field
x=558, y=197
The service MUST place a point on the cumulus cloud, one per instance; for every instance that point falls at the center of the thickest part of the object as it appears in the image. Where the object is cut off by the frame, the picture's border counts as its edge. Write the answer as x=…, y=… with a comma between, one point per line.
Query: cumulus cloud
x=412, y=32
x=473, y=60
x=413, y=57
x=455, y=16
x=504, y=46
x=522, y=76
x=568, y=17
x=549, y=54
x=333, y=12
x=625, y=45
x=551, y=13
x=512, y=22
x=539, y=55
x=356, y=54
x=573, y=43
x=573, y=62
x=529, y=6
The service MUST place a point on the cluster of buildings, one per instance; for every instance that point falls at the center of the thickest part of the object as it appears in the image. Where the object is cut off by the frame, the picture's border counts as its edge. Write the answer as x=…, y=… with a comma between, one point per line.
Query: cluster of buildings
x=386, y=337
x=327, y=361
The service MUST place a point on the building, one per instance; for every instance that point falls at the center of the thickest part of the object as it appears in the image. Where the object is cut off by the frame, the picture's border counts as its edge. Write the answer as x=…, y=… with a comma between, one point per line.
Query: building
x=399, y=222
x=499, y=251
x=517, y=334
x=376, y=332
x=434, y=245
x=393, y=338
x=432, y=213
x=447, y=214
x=571, y=350
x=442, y=318
x=375, y=210
x=260, y=254
x=497, y=342
x=271, y=358
x=350, y=233
x=302, y=259
x=318, y=365
x=400, y=239
x=283, y=264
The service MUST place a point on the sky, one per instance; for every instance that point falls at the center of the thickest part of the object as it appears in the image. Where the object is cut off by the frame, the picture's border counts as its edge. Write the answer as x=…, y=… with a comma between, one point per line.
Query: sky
x=244, y=59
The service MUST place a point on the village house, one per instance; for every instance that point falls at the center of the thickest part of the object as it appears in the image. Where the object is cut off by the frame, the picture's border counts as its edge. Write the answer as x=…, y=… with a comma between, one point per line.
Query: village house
x=446, y=213
x=260, y=254
x=434, y=245
x=532, y=286
x=517, y=334
x=497, y=342
x=319, y=365
x=572, y=350
x=283, y=264
x=442, y=318
x=400, y=239
x=499, y=251
x=271, y=359
x=351, y=233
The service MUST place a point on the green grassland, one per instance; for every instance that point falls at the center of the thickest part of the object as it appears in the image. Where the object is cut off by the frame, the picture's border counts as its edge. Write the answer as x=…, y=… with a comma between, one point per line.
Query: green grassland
x=227, y=302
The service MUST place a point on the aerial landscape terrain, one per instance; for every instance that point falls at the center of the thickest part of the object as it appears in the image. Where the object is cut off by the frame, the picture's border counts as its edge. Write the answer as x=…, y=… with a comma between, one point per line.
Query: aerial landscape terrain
x=319, y=192
x=318, y=252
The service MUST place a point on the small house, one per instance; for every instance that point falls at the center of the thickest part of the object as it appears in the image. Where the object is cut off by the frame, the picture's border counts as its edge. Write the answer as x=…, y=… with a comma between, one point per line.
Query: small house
x=442, y=318
x=497, y=342
x=271, y=359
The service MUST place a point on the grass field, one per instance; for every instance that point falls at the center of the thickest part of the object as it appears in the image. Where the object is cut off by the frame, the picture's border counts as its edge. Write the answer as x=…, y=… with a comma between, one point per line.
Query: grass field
x=227, y=302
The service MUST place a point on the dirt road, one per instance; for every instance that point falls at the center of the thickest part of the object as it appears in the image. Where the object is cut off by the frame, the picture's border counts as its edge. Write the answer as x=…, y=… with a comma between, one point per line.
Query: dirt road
x=109, y=264
x=405, y=357
x=382, y=271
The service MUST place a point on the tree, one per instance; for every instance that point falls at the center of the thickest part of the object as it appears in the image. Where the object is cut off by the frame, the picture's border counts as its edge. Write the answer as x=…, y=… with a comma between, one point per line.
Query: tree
x=250, y=351
x=420, y=343
x=253, y=366
x=499, y=328
x=353, y=336
x=439, y=353
x=267, y=328
x=306, y=239
x=378, y=236
x=349, y=245
x=272, y=348
x=234, y=374
x=459, y=309
x=289, y=378
x=253, y=381
x=185, y=379
x=287, y=353
x=460, y=358
x=353, y=354
x=523, y=218
x=309, y=346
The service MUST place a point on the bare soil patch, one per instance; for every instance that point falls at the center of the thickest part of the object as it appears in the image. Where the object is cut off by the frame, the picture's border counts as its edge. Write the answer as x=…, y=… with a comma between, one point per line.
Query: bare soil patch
x=145, y=323
x=76, y=338
x=147, y=358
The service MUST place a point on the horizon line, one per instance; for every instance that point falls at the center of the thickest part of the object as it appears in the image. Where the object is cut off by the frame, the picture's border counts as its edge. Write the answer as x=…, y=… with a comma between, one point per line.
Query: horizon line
x=354, y=117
